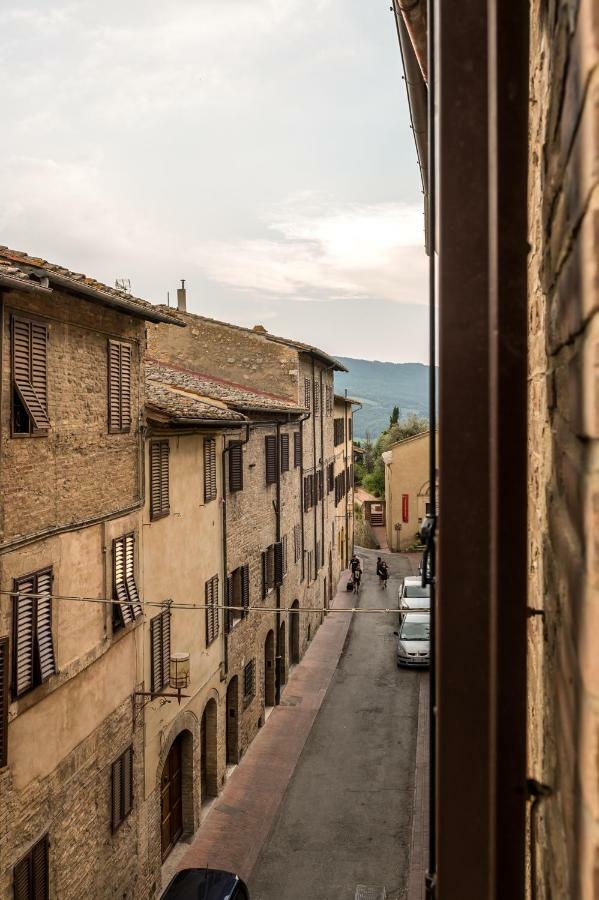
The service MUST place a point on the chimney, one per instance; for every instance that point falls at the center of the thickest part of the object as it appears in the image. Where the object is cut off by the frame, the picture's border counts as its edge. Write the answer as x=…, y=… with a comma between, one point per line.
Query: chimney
x=182, y=297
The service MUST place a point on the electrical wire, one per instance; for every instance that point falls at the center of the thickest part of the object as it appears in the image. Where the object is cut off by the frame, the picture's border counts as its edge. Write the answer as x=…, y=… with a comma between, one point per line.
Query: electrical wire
x=199, y=606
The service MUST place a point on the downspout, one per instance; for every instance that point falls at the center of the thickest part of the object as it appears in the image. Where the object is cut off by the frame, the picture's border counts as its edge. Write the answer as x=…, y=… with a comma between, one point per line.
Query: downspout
x=324, y=492
x=225, y=450
x=346, y=488
x=353, y=493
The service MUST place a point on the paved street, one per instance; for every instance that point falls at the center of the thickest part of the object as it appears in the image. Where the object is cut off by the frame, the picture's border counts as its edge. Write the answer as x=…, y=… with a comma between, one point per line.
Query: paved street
x=345, y=819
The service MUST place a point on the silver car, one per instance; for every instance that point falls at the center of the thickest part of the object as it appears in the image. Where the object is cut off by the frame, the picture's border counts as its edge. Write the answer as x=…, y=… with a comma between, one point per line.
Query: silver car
x=412, y=595
x=413, y=639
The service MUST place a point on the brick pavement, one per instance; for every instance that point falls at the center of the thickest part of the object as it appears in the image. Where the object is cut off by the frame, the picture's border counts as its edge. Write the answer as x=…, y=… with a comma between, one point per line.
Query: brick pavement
x=233, y=833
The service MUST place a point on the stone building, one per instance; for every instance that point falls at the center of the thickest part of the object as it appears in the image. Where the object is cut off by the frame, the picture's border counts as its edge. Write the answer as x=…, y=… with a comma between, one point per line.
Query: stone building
x=72, y=487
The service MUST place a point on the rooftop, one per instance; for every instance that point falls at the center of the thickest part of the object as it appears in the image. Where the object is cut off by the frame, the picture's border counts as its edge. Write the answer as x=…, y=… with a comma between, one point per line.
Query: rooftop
x=207, y=387
x=177, y=404
x=23, y=272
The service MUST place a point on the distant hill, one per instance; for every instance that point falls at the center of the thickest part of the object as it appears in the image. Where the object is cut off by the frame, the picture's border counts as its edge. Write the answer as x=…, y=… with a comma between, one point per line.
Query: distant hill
x=380, y=386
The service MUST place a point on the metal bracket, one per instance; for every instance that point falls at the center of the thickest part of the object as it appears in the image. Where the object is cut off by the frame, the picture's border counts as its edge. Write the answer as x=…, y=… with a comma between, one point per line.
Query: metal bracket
x=531, y=612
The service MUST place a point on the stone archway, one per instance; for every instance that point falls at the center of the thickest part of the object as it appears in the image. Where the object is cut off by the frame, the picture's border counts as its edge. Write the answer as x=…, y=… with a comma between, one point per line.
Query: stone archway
x=269, y=669
x=208, y=752
x=232, y=726
x=283, y=651
x=294, y=633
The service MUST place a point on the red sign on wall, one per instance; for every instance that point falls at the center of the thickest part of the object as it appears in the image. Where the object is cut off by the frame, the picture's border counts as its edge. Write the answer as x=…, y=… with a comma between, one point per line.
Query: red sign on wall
x=405, y=507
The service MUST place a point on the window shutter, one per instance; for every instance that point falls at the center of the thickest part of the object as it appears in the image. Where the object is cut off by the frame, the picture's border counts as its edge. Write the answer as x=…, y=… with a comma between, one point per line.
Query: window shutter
x=405, y=507
x=306, y=494
x=156, y=671
x=22, y=887
x=164, y=477
x=24, y=625
x=297, y=448
x=284, y=453
x=264, y=574
x=245, y=588
x=212, y=618
x=270, y=450
x=125, y=387
x=320, y=484
x=123, y=610
x=307, y=393
x=235, y=467
x=29, y=369
x=316, y=397
x=278, y=552
x=40, y=869
x=117, y=769
x=228, y=598
x=3, y=701
x=130, y=576
x=45, y=646
x=284, y=554
x=119, y=386
x=154, y=479
x=209, y=469
x=127, y=785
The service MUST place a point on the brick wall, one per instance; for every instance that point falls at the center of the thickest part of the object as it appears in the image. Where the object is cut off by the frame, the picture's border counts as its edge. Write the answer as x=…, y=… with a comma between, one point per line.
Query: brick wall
x=563, y=734
x=78, y=471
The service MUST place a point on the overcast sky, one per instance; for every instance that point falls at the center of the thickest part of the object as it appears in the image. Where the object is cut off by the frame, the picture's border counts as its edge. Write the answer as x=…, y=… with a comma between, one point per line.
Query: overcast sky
x=260, y=149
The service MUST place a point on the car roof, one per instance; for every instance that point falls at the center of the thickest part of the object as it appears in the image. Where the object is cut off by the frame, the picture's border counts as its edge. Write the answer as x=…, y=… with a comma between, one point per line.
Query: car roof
x=201, y=884
x=412, y=579
x=417, y=617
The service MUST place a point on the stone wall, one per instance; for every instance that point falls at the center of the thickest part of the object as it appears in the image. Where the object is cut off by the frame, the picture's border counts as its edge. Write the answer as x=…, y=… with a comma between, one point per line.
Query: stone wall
x=563, y=735
x=78, y=471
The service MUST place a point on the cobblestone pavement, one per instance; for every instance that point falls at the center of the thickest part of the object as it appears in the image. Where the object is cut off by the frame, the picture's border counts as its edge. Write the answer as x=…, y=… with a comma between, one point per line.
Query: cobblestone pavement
x=346, y=817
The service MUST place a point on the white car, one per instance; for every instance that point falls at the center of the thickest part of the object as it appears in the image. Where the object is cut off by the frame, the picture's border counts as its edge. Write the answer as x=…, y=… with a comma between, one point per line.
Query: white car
x=413, y=640
x=412, y=596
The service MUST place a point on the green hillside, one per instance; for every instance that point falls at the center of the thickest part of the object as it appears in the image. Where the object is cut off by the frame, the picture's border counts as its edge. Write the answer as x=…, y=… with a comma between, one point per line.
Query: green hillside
x=380, y=386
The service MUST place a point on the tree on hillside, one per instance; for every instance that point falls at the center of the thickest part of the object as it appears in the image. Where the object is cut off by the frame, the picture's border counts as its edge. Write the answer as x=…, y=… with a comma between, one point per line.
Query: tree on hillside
x=394, y=419
x=373, y=478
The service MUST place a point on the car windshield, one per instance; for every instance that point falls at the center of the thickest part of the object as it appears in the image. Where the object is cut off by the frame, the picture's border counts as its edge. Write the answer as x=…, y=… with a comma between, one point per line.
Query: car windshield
x=415, y=631
x=415, y=590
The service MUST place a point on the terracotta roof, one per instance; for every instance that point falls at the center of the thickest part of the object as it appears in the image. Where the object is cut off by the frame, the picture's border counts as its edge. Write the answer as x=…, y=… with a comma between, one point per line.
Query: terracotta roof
x=29, y=270
x=346, y=399
x=260, y=331
x=180, y=405
x=236, y=396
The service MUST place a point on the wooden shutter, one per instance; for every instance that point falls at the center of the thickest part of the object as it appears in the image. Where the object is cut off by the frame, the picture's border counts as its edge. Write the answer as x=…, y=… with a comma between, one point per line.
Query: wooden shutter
x=320, y=484
x=127, y=782
x=307, y=393
x=160, y=644
x=22, y=886
x=235, y=467
x=212, y=618
x=297, y=448
x=119, y=387
x=264, y=574
x=124, y=611
x=136, y=606
x=245, y=588
x=23, y=631
x=209, y=469
x=3, y=701
x=159, y=479
x=316, y=397
x=284, y=554
x=117, y=777
x=30, y=875
x=45, y=646
x=306, y=494
x=284, y=453
x=278, y=562
x=228, y=599
x=270, y=451
x=30, y=369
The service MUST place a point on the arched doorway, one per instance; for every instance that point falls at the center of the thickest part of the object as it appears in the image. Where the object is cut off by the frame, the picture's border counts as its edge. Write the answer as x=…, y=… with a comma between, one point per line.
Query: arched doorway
x=233, y=722
x=282, y=651
x=294, y=633
x=171, y=797
x=269, y=669
x=208, y=753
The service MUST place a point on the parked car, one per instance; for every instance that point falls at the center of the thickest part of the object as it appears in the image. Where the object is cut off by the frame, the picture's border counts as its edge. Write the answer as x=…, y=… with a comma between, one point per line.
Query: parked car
x=412, y=595
x=205, y=884
x=413, y=639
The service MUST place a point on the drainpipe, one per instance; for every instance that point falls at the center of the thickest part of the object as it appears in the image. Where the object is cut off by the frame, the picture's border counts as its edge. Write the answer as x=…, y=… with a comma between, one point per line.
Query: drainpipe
x=301, y=490
x=346, y=490
x=225, y=450
x=316, y=564
x=278, y=586
x=324, y=491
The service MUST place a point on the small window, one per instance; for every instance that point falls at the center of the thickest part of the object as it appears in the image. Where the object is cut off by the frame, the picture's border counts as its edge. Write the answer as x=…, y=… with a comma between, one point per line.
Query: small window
x=212, y=617
x=29, y=365
x=235, y=467
x=34, y=660
x=128, y=608
x=272, y=567
x=310, y=565
x=160, y=651
x=209, y=469
x=316, y=397
x=297, y=449
x=270, y=453
x=119, y=387
x=122, y=788
x=349, y=428
x=249, y=680
x=238, y=594
x=338, y=431
x=297, y=543
x=159, y=479
x=30, y=875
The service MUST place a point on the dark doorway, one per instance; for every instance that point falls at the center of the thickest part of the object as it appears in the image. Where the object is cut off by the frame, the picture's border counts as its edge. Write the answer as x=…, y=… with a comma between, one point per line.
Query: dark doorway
x=269, y=669
x=233, y=722
x=171, y=799
x=283, y=651
x=294, y=633
x=208, y=753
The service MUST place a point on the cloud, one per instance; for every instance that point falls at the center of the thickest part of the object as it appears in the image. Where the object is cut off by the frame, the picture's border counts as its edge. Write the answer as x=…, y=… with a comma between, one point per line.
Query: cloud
x=326, y=250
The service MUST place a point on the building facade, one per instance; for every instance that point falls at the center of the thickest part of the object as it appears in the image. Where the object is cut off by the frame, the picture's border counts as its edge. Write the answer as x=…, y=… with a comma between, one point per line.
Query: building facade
x=71, y=760
x=407, y=490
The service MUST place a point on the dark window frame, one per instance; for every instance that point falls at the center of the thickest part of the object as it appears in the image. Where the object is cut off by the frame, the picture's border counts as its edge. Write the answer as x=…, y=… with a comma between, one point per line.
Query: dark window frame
x=28, y=866
x=121, y=778
x=235, y=466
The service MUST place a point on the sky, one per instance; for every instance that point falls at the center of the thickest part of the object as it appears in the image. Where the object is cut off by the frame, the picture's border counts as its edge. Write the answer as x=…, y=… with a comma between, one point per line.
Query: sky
x=260, y=149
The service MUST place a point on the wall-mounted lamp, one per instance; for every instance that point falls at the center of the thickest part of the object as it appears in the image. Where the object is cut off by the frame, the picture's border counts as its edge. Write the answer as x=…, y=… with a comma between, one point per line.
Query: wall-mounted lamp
x=178, y=680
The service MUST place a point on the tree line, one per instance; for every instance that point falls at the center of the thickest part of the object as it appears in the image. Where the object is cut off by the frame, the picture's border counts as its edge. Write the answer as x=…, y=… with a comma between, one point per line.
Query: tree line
x=369, y=469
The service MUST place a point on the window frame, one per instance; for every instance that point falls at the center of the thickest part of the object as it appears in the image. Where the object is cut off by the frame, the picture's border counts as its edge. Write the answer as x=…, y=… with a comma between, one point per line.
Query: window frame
x=36, y=677
x=160, y=646
x=124, y=424
x=235, y=452
x=249, y=670
x=33, y=889
x=118, y=771
x=125, y=589
x=212, y=621
x=33, y=431
x=210, y=473
x=157, y=491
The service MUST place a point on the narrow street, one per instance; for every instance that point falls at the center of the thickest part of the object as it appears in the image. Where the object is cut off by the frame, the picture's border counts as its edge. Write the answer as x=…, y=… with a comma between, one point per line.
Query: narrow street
x=346, y=818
